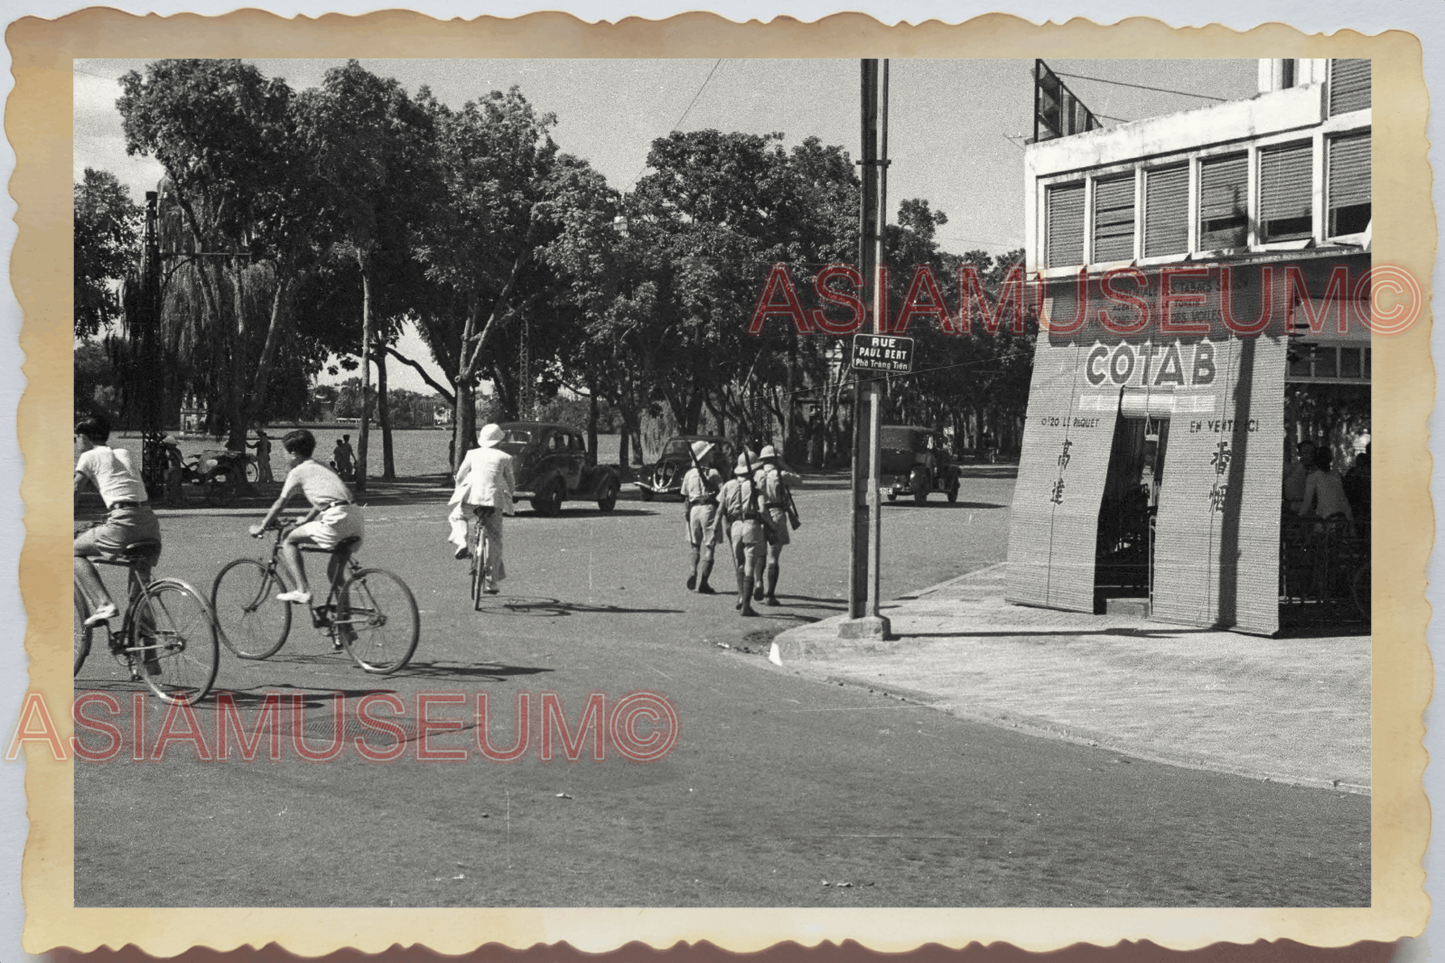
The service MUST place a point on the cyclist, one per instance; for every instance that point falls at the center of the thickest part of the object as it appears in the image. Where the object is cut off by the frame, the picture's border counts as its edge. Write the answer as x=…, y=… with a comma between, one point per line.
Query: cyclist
x=332, y=519
x=129, y=518
x=485, y=479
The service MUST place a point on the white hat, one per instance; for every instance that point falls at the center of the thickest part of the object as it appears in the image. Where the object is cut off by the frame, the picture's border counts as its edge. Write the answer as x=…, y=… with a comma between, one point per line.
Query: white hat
x=490, y=435
x=768, y=452
x=743, y=467
x=700, y=449
x=170, y=439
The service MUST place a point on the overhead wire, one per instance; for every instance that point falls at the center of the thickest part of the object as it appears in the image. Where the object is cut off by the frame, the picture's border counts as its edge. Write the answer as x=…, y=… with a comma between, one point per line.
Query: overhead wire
x=1122, y=83
x=678, y=123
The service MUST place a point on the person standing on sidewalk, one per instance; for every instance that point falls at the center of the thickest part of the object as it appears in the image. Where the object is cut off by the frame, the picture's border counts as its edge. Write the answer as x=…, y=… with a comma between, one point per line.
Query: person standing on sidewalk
x=485, y=480
x=263, y=457
x=773, y=483
x=700, y=511
x=739, y=504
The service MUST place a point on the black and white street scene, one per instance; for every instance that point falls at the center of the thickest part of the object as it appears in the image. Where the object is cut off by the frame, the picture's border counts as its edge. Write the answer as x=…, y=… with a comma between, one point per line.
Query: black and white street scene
x=689, y=483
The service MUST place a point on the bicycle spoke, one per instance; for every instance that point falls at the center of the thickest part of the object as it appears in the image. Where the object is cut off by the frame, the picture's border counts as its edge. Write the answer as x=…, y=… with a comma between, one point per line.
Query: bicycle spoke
x=252, y=623
x=173, y=642
x=377, y=619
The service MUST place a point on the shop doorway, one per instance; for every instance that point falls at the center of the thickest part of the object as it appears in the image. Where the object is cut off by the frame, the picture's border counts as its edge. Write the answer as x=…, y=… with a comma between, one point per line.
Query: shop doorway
x=1124, y=553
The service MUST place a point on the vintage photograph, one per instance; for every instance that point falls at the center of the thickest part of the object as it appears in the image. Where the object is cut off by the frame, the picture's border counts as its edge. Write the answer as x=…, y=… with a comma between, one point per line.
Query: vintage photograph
x=723, y=482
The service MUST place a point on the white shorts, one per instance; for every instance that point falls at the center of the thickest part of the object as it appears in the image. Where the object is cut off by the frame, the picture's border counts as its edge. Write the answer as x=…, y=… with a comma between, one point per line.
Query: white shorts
x=333, y=526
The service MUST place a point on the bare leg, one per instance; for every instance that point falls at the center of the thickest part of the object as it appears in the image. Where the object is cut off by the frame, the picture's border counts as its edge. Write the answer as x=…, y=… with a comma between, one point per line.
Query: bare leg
x=291, y=563
x=91, y=587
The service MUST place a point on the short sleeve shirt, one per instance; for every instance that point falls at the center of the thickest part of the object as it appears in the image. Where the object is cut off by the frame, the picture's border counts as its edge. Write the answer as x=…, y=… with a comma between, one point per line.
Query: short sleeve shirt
x=113, y=474
x=318, y=483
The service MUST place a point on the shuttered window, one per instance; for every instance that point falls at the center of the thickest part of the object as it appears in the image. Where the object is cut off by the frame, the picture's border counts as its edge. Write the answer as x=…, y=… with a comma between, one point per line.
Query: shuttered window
x=1114, y=219
x=1349, y=85
x=1223, y=202
x=1348, y=176
x=1065, y=212
x=1284, y=192
x=1166, y=211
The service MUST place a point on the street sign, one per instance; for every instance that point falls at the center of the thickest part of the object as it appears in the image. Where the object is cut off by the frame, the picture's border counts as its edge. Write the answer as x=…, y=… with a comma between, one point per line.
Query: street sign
x=881, y=352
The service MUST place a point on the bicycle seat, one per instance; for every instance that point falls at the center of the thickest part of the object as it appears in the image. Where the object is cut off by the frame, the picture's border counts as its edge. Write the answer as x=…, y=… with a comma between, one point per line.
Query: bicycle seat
x=132, y=553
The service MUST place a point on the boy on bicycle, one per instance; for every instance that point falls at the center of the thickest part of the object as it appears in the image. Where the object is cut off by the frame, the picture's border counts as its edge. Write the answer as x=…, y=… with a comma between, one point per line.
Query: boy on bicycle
x=332, y=519
x=129, y=518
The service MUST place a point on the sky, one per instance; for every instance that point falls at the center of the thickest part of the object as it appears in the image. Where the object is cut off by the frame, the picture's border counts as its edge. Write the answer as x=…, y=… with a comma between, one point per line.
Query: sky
x=956, y=128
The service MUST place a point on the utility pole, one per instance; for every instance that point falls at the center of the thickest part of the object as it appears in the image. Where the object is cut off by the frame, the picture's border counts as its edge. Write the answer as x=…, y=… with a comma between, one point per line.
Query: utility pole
x=864, y=620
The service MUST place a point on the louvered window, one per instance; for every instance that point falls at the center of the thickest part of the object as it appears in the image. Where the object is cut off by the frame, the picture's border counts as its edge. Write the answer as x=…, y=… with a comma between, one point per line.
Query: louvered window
x=1349, y=85
x=1065, y=210
x=1348, y=175
x=1166, y=211
x=1284, y=192
x=1114, y=219
x=1223, y=202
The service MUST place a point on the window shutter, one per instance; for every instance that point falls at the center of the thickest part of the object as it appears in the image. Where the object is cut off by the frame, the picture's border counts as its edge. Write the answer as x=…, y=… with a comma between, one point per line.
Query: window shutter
x=1114, y=219
x=1223, y=204
x=1066, y=225
x=1349, y=85
x=1284, y=181
x=1166, y=211
x=1349, y=170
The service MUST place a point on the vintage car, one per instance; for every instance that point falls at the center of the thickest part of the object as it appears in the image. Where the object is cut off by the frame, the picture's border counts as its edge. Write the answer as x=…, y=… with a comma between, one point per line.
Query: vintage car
x=552, y=467
x=665, y=477
x=916, y=461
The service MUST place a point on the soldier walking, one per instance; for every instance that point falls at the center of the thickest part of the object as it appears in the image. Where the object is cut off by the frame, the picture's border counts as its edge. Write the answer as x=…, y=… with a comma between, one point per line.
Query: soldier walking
x=738, y=503
x=700, y=511
x=773, y=483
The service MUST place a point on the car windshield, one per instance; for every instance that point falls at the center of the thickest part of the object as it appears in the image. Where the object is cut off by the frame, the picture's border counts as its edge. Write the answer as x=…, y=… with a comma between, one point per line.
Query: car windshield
x=677, y=446
x=903, y=439
x=516, y=437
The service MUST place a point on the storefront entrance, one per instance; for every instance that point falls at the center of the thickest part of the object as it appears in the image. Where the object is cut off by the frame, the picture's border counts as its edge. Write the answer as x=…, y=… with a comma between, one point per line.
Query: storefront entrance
x=1124, y=555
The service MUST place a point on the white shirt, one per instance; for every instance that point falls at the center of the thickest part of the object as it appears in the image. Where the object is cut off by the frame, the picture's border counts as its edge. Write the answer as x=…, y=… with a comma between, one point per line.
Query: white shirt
x=485, y=477
x=319, y=484
x=111, y=472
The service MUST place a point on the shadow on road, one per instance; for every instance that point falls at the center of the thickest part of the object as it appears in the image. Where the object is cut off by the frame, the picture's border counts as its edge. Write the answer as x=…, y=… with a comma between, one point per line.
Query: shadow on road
x=453, y=670
x=525, y=605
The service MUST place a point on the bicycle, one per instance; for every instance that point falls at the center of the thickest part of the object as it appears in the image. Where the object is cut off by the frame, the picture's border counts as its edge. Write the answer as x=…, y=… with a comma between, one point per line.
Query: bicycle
x=479, y=548
x=167, y=636
x=370, y=613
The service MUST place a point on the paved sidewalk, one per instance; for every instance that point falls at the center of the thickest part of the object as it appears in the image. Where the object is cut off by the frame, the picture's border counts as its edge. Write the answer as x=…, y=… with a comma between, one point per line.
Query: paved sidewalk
x=1288, y=710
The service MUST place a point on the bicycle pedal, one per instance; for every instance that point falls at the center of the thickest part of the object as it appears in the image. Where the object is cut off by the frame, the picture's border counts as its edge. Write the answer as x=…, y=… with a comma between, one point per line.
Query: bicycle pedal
x=321, y=618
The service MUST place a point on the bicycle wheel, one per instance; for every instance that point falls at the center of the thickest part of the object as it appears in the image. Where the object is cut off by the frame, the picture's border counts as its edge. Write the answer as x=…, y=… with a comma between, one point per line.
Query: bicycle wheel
x=173, y=638
x=221, y=489
x=249, y=619
x=377, y=620
x=82, y=634
x=474, y=547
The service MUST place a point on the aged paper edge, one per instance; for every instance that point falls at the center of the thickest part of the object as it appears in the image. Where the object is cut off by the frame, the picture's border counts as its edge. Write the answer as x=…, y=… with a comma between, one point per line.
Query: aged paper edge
x=39, y=127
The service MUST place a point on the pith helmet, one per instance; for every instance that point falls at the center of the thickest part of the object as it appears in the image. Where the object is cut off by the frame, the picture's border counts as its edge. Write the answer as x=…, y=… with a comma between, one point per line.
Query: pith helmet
x=768, y=452
x=743, y=467
x=490, y=435
x=700, y=449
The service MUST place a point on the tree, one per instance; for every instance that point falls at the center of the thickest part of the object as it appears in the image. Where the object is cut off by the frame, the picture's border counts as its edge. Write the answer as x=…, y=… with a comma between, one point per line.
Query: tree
x=481, y=232
x=370, y=143
x=225, y=136
x=107, y=228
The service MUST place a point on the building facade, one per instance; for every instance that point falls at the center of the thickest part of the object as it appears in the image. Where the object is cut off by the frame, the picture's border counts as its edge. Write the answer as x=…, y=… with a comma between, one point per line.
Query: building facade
x=1203, y=279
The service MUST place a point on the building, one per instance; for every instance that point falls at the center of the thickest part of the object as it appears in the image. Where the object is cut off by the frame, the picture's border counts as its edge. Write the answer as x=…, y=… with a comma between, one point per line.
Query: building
x=1203, y=286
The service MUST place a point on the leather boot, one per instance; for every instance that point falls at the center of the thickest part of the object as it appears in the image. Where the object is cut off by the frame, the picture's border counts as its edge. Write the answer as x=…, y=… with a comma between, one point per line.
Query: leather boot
x=702, y=587
x=772, y=580
x=747, y=603
x=692, y=572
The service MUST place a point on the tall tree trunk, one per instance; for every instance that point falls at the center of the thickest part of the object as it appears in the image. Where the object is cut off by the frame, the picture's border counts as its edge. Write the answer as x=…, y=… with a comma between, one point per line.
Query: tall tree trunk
x=236, y=430
x=464, y=422
x=383, y=414
x=591, y=424
x=359, y=471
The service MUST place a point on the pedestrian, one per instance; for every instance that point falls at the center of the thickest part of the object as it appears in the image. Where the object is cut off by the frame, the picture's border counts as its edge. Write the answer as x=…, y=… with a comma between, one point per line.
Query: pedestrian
x=333, y=519
x=1297, y=473
x=486, y=481
x=129, y=518
x=342, y=457
x=774, y=483
x=700, y=488
x=1324, y=490
x=175, y=470
x=738, y=503
x=263, y=457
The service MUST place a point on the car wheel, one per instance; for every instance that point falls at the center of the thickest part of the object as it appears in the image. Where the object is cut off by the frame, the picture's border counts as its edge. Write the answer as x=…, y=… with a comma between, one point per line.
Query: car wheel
x=920, y=491
x=608, y=501
x=646, y=494
x=548, y=502
x=892, y=497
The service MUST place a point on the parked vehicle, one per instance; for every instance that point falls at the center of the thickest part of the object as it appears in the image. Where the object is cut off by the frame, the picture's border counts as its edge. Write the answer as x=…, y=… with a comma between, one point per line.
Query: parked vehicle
x=916, y=461
x=665, y=477
x=552, y=467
